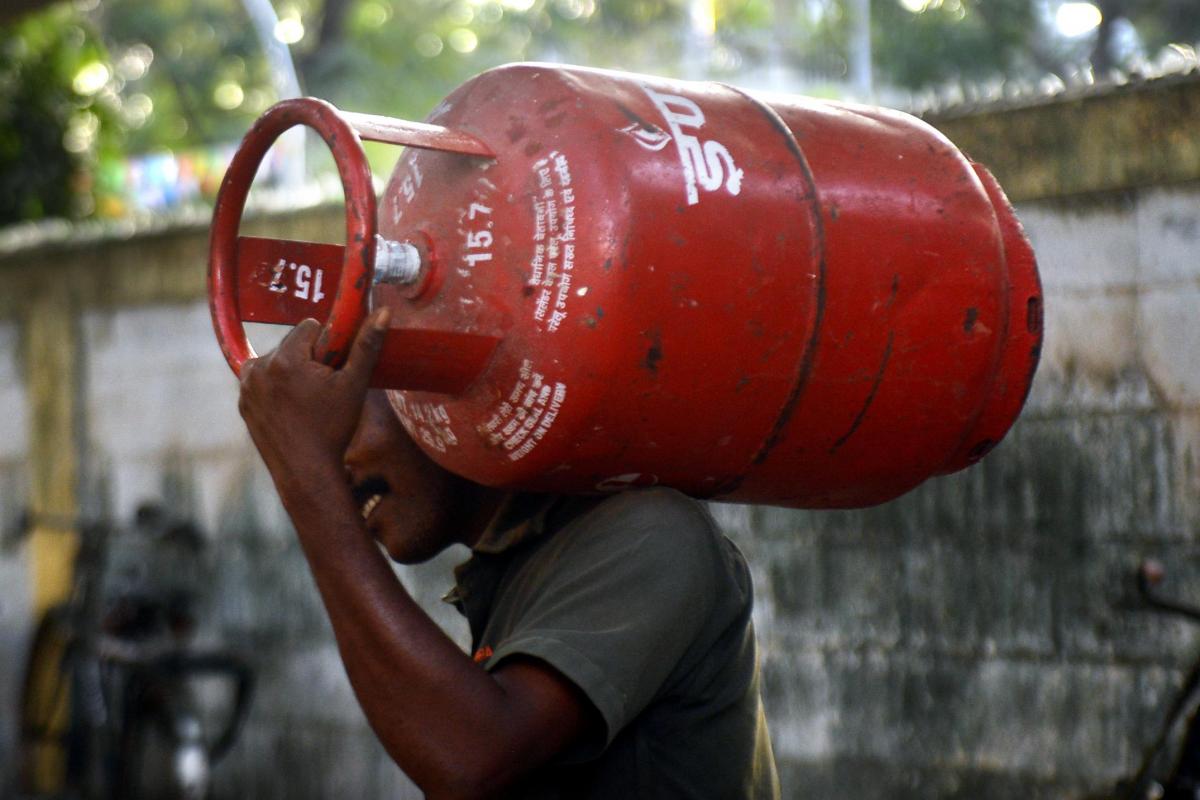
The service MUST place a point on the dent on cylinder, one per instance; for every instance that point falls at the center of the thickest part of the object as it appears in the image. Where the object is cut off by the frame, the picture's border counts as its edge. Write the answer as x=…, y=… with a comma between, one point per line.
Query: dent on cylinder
x=1023, y=339
x=907, y=276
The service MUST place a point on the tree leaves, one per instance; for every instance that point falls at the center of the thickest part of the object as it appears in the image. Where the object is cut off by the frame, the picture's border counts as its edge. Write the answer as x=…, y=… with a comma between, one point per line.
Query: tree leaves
x=179, y=74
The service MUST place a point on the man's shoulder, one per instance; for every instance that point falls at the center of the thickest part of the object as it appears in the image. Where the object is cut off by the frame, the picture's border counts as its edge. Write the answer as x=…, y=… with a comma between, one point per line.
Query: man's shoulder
x=656, y=533
x=654, y=521
x=657, y=509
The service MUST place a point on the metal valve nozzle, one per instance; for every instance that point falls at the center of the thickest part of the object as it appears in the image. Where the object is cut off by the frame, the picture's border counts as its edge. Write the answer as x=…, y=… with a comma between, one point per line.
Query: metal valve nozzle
x=396, y=262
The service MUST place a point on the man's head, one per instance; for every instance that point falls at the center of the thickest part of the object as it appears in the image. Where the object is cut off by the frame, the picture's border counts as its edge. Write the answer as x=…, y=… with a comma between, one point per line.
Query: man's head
x=410, y=504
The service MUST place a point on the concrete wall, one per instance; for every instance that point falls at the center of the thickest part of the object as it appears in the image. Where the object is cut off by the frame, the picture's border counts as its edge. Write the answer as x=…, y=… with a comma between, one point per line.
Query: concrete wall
x=15, y=591
x=977, y=638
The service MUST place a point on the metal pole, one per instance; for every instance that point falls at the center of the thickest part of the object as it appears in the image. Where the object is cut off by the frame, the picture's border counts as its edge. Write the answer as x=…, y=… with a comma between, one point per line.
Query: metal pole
x=700, y=37
x=860, y=48
x=287, y=85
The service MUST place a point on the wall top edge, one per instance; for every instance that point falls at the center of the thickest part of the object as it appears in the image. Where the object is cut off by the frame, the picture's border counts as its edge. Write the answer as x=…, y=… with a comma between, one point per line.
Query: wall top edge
x=25, y=240
x=1039, y=128
x=962, y=101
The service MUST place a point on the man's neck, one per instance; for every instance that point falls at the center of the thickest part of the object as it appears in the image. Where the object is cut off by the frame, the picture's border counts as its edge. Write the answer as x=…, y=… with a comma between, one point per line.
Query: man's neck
x=488, y=504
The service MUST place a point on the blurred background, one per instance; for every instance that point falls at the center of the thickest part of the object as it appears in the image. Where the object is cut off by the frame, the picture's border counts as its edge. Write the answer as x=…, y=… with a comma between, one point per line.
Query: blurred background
x=113, y=107
x=981, y=637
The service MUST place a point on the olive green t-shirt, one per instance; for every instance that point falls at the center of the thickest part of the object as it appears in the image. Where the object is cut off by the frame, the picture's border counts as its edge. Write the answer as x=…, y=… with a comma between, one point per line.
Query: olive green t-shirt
x=641, y=602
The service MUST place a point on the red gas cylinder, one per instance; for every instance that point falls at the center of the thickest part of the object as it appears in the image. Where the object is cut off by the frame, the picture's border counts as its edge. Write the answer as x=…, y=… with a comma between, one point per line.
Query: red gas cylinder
x=601, y=280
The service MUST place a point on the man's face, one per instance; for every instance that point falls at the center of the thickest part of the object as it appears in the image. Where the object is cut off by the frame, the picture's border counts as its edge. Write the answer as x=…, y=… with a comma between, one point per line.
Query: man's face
x=412, y=506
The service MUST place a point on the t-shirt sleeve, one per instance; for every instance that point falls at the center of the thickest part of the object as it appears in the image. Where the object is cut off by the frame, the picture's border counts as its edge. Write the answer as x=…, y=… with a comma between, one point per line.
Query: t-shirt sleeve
x=614, y=600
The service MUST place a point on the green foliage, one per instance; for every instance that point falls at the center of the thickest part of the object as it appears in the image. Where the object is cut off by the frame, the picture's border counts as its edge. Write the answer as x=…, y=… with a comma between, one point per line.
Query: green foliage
x=1158, y=22
x=192, y=59
x=401, y=58
x=956, y=39
x=181, y=74
x=49, y=132
x=744, y=16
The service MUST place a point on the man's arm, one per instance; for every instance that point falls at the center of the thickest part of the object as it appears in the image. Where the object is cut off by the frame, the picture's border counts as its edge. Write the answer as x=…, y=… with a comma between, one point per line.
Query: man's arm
x=455, y=729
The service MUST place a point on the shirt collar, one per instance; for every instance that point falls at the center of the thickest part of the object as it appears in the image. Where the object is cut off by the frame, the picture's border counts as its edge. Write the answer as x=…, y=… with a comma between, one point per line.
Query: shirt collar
x=520, y=518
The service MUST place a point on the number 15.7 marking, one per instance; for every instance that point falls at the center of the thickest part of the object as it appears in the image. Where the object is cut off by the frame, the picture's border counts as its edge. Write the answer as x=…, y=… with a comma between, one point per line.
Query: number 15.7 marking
x=478, y=242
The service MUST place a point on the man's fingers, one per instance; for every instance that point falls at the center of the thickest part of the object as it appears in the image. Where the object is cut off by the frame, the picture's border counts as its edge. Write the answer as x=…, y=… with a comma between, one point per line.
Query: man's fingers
x=247, y=369
x=364, y=353
x=298, y=344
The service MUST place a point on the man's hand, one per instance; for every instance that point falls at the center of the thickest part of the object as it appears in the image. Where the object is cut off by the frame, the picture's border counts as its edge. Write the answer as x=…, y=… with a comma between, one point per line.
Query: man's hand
x=457, y=730
x=300, y=411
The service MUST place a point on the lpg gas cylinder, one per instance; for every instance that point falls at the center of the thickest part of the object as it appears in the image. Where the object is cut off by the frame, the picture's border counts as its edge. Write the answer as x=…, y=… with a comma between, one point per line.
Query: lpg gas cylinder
x=602, y=280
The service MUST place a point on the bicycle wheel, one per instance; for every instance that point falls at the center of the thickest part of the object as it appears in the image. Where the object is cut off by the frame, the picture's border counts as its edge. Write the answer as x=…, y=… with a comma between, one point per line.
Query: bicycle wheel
x=45, y=708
